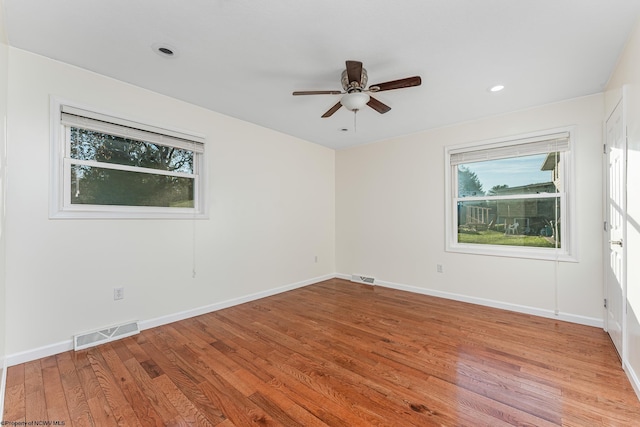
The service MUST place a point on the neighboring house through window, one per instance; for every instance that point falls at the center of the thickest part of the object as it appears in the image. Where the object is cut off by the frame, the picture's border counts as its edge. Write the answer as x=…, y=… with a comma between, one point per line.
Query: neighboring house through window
x=511, y=197
x=105, y=167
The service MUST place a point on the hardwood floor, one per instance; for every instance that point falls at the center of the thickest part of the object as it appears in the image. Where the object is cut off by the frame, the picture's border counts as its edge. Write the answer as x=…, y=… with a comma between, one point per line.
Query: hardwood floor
x=341, y=354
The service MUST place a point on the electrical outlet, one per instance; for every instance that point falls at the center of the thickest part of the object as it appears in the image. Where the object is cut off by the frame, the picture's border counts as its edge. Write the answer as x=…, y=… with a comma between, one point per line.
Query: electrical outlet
x=439, y=268
x=118, y=293
x=316, y=258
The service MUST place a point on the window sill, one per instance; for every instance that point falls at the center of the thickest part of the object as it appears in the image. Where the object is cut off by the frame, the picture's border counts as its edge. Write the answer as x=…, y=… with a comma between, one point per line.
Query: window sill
x=125, y=214
x=512, y=252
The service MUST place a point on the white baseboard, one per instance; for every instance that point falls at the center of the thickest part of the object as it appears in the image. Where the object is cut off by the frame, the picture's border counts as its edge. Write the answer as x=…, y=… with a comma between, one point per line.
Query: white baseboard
x=568, y=317
x=633, y=378
x=61, y=347
x=39, y=353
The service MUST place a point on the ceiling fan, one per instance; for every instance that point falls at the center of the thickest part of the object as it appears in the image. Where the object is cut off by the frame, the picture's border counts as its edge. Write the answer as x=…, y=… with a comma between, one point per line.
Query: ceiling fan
x=355, y=95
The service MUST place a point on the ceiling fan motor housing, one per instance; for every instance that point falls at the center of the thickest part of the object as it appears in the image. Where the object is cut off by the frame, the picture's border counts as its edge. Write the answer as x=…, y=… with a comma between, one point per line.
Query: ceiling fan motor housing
x=354, y=86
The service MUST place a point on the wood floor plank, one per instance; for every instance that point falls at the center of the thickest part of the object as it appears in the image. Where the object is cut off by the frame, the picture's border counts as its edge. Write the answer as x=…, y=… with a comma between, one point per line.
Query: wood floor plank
x=271, y=399
x=99, y=408
x=56, y=401
x=146, y=413
x=237, y=409
x=35, y=403
x=210, y=361
x=109, y=384
x=73, y=391
x=337, y=354
x=183, y=382
x=14, y=401
x=15, y=404
x=15, y=376
x=343, y=386
x=293, y=384
x=228, y=396
x=156, y=398
x=185, y=407
x=133, y=345
x=221, y=362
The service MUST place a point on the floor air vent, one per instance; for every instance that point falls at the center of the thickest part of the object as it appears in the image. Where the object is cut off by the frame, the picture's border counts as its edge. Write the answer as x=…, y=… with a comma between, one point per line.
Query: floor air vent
x=362, y=279
x=91, y=339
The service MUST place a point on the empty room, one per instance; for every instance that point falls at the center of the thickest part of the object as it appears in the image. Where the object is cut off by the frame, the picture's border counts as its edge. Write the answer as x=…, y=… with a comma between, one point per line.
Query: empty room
x=320, y=213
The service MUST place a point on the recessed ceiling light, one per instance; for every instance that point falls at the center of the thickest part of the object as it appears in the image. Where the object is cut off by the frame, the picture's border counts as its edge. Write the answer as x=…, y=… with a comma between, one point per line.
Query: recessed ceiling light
x=164, y=50
x=496, y=88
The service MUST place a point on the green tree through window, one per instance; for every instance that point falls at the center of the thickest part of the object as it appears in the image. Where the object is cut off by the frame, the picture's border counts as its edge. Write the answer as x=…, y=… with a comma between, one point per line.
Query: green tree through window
x=106, y=186
x=468, y=183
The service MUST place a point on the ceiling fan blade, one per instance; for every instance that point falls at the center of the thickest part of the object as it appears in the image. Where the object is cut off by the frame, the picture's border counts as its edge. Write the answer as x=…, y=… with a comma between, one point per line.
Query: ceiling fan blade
x=354, y=71
x=378, y=106
x=397, y=84
x=317, y=92
x=332, y=110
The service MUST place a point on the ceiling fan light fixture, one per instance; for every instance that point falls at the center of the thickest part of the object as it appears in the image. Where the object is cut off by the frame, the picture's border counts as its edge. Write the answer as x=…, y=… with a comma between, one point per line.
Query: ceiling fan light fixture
x=355, y=100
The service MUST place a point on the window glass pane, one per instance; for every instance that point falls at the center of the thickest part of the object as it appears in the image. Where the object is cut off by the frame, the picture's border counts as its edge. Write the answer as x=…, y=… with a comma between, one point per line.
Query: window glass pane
x=100, y=147
x=515, y=222
x=99, y=186
x=517, y=175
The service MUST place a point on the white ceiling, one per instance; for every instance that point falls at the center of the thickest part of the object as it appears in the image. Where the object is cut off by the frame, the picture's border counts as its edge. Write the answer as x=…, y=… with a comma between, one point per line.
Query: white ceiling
x=243, y=58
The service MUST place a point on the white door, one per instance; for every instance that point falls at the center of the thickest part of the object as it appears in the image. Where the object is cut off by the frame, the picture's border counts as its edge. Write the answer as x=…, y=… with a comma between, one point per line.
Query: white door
x=616, y=218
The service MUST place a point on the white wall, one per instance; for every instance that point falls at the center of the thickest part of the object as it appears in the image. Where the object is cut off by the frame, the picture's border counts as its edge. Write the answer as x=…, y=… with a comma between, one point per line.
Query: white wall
x=4, y=52
x=627, y=74
x=390, y=217
x=271, y=212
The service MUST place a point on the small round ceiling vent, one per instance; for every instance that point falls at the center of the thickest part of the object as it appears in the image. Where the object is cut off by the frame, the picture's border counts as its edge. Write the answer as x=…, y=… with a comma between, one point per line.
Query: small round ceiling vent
x=165, y=50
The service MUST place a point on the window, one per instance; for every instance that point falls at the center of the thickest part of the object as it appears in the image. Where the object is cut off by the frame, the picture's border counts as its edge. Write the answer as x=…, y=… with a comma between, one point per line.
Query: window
x=511, y=197
x=107, y=167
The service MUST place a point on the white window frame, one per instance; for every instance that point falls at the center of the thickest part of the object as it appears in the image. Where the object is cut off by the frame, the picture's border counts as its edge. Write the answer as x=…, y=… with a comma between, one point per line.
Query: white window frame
x=568, y=249
x=65, y=114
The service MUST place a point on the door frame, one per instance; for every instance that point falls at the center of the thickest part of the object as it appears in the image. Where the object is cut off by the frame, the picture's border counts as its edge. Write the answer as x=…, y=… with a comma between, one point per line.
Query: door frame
x=621, y=103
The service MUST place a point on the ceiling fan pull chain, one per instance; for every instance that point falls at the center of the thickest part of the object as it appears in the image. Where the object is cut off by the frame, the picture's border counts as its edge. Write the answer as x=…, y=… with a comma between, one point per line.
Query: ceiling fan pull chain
x=355, y=128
